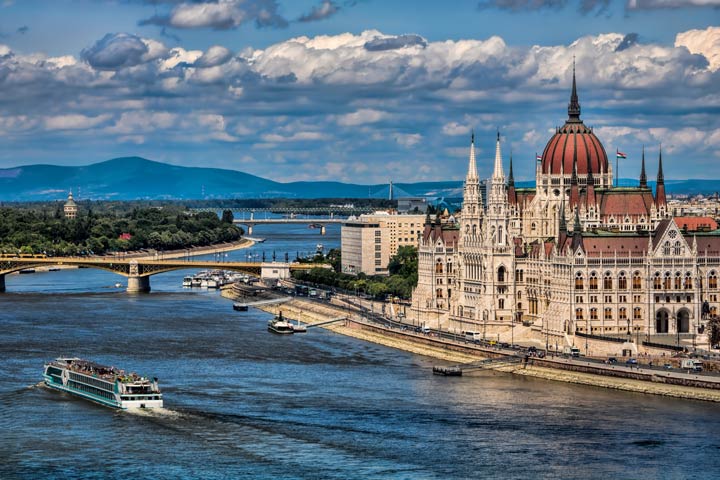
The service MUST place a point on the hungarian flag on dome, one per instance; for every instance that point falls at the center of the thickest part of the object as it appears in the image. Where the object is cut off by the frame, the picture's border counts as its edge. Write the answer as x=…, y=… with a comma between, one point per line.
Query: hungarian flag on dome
x=538, y=157
x=620, y=154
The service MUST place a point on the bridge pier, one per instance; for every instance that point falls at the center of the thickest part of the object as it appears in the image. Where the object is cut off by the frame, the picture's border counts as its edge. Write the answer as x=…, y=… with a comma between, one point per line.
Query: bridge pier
x=138, y=284
x=249, y=232
x=2, y=283
x=322, y=230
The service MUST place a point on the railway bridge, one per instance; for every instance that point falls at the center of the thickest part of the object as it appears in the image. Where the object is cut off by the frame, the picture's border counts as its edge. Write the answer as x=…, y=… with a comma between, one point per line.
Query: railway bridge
x=139, y=271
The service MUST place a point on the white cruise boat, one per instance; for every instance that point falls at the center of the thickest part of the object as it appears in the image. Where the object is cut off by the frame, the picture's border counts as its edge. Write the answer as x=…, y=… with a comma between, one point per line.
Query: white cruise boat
x=101, y=384
x=187, y=281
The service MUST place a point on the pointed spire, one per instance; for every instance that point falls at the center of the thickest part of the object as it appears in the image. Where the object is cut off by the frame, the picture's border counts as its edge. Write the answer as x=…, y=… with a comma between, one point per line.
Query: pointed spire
x=574, y=177
x=563, y=223
x=511, y=179
x=576, y=225
x=472, y=167
x=590, y=187
x=574, y=105
x=498, y=170
x=660, y=186
x=643, y=176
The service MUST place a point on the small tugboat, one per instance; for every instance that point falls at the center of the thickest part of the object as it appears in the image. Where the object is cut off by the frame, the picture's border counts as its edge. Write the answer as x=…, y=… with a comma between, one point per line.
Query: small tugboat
x=101, y=384
x=280, y=325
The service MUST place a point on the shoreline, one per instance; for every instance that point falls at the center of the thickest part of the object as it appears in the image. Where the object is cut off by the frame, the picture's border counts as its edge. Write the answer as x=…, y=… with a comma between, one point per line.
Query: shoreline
x=311, y=312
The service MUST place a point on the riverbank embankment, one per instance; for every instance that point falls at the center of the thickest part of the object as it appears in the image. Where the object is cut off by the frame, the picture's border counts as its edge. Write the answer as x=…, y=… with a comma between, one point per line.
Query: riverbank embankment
x=567, y=371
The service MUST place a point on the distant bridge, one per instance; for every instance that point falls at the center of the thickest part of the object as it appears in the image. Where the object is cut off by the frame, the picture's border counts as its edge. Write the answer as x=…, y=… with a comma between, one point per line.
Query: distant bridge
x=318, y=211
x=313, y=222
x=138, y=271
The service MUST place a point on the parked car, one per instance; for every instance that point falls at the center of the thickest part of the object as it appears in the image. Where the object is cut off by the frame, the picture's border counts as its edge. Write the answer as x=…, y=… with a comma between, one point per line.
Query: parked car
x=611, y=360
x=631, y=361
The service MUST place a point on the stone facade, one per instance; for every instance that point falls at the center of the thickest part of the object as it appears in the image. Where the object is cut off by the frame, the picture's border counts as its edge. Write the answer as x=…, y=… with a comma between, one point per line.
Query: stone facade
x=572, y=255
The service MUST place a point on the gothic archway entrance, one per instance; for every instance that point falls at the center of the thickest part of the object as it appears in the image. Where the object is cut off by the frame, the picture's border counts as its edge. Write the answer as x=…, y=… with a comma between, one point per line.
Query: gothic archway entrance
x=683, y=321
x=661, y=321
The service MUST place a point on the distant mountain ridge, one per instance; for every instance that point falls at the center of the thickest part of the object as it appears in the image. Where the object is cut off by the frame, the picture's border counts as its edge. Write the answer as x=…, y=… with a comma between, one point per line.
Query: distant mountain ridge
x=131, y=178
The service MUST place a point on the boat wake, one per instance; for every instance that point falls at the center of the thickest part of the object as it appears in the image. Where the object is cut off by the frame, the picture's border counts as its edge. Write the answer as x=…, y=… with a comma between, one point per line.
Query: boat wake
x=155, y=412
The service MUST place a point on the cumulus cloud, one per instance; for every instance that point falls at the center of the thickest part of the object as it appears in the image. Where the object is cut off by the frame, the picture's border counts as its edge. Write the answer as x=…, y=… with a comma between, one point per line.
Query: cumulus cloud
x=628, y=41
x=361, y=117
x=348, y=102
x=220, y=15
x=326, y=9
x=704, y=42
x=114, y=51
x=215, y=55
x=379, y=44
x=74, y=121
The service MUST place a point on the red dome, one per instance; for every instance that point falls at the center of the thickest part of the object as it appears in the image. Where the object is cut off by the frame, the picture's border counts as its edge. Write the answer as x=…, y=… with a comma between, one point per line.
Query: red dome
x=574, y=141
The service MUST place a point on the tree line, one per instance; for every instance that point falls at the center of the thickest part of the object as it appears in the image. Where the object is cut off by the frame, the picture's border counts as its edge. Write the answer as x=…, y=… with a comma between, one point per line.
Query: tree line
x=42, y=231
x=403, y=268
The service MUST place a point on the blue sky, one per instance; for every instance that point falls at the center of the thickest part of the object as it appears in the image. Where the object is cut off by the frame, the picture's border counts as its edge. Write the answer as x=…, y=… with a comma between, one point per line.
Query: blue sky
x=353, y=90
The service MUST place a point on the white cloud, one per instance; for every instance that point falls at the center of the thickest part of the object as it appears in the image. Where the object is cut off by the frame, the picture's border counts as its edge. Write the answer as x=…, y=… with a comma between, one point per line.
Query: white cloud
x=74, y=121
x=408, y=140
x=361, y=117
x=454, y=128
x=704, y=42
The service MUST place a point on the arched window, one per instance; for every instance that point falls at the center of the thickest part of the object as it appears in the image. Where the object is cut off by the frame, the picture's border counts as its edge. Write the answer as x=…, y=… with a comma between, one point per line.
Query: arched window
x=593, y=281
x=637, y=281
x=501, y=303
x=622, y=313
x=607, y=281
x=657, y=281
x=608, y=313
x=579, y=281
x=678, y=281
x=637, y=313
x=501, y=274
x=622, y=281
x=666, y=281
x=678, y=249
x=666, y=248
x=438, y=266
x=687, y=284
x=578, y=314
x=438, y=293
x=593, y=314
x=712, y=280
x=474, y=229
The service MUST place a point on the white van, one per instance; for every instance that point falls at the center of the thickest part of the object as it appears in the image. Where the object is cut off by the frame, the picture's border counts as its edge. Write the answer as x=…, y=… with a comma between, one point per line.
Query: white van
x=692, y=364
x=472, y=336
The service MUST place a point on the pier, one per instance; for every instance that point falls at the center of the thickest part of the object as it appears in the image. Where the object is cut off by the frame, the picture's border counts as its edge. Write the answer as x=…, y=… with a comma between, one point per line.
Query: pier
x=490, y=363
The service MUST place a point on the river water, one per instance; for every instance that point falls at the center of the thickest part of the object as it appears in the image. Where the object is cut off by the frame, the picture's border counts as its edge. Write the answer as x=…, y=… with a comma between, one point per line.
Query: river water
x=243, y=403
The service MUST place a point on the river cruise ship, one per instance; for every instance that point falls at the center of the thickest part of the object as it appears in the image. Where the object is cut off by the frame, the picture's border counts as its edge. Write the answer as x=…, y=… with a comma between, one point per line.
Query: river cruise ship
x=105, y=385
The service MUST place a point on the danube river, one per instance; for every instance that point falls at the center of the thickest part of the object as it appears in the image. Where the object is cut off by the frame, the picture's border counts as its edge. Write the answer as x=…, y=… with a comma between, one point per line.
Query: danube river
x=243, y=403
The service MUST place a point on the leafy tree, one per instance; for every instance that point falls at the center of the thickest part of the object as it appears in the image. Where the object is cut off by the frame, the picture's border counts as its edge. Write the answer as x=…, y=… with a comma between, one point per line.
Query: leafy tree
x=227, y=216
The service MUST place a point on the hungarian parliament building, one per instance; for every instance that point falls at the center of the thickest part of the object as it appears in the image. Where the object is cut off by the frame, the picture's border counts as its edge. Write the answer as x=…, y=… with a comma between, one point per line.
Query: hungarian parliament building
x=573, y=255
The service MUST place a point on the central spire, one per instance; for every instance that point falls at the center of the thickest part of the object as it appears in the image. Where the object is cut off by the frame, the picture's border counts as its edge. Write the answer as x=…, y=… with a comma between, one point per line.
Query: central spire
x=472, y=168
x=498, y=170
x=574, y=105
